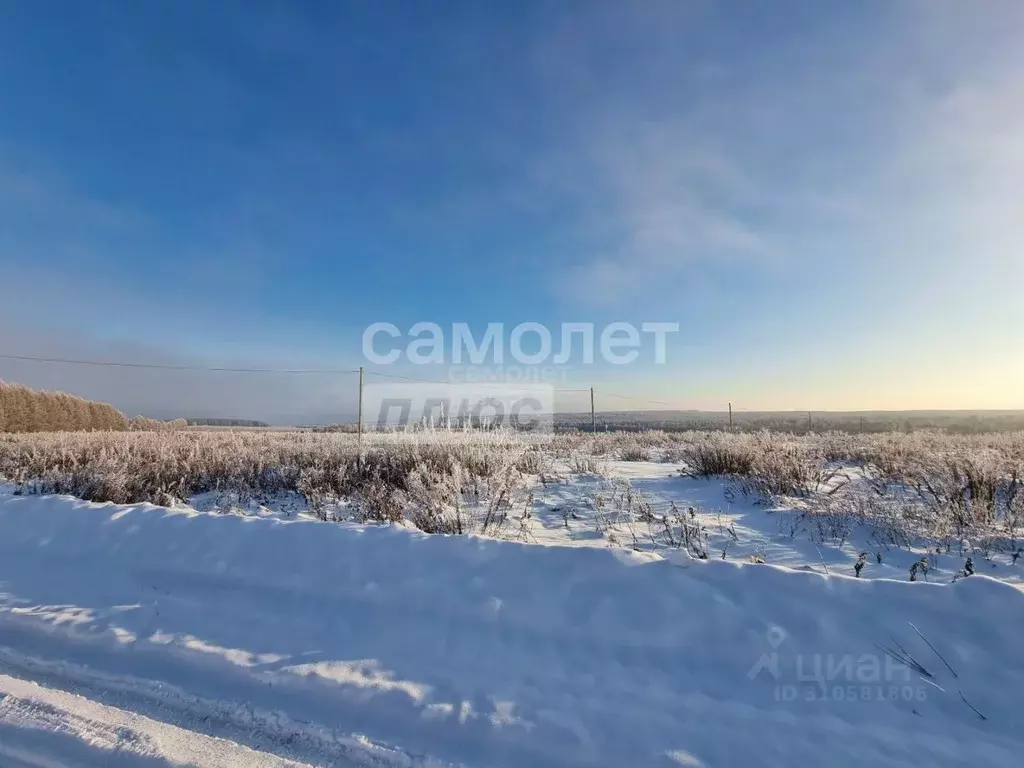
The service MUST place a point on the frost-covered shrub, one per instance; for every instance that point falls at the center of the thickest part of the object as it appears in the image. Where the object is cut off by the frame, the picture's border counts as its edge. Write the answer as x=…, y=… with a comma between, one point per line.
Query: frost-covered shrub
x=392, y=474
x=635, y=452
x=708, y=454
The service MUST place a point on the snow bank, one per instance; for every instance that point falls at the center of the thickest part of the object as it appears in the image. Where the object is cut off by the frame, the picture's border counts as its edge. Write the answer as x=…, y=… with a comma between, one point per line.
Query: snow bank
x=385, y=645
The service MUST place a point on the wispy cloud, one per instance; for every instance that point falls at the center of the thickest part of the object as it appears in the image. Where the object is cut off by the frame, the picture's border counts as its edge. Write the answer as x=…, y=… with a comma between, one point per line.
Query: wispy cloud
x=658, y=205
x=41, y=212
x=846, y=142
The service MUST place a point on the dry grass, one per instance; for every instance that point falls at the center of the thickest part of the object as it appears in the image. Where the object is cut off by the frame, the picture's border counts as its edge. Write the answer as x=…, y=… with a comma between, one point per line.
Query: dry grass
x=429, y=479
x=956, y=488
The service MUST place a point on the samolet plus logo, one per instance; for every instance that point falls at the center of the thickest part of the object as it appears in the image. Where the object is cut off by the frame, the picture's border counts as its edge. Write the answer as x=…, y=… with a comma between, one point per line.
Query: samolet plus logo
x=526, y=407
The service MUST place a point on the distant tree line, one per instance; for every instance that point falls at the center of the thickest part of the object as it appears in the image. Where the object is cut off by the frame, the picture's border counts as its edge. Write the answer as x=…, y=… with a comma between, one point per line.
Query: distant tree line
x=226, y=423
x=26, y=410
x=143, y=424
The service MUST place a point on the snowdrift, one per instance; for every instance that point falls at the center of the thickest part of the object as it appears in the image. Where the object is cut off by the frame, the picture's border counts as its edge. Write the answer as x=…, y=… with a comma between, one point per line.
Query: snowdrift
x=385, y=646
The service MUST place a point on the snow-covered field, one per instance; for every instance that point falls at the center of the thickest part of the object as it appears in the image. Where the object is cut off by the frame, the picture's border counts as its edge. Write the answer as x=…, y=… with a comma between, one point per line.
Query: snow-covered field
x=627, y=504
x=139, y=635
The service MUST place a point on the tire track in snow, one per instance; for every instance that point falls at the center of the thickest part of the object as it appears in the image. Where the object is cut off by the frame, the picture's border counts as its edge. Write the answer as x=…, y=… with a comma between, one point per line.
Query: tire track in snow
x=43, y=727
x=275, y=735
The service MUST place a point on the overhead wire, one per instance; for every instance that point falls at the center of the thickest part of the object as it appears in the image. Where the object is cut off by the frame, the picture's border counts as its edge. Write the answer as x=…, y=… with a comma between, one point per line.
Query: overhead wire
x=332, y=371
x=165, y=367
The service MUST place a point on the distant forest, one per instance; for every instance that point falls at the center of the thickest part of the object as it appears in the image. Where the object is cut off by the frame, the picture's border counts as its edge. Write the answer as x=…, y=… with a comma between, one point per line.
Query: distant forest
x=226, y=423
x=26, y=410
x=799, y=422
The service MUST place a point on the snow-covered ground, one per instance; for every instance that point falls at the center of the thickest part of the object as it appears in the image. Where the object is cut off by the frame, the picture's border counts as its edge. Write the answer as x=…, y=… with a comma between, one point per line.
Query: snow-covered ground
x=607, y=509
x=138, y=635
x=740, y=526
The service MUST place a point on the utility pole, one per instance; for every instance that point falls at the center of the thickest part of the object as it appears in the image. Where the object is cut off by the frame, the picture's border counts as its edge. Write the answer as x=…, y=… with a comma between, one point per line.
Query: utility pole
x=593, y=415
x=730, y=417
x=810, y=425
x=359, y=428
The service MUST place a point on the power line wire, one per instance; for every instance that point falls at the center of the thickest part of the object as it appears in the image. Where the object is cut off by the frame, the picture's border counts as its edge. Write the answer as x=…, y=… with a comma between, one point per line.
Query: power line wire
x=476, y=383
x=156, y=366
x=406, y=378
x=624, y=397
x=222, y=369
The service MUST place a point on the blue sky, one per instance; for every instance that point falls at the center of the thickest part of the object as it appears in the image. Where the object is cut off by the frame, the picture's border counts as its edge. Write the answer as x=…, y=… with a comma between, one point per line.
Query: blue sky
x=825, y=195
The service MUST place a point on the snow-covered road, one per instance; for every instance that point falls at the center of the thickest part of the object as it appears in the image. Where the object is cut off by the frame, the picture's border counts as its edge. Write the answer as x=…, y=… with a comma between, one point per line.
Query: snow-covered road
x=42, y=727
x=340, y=645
